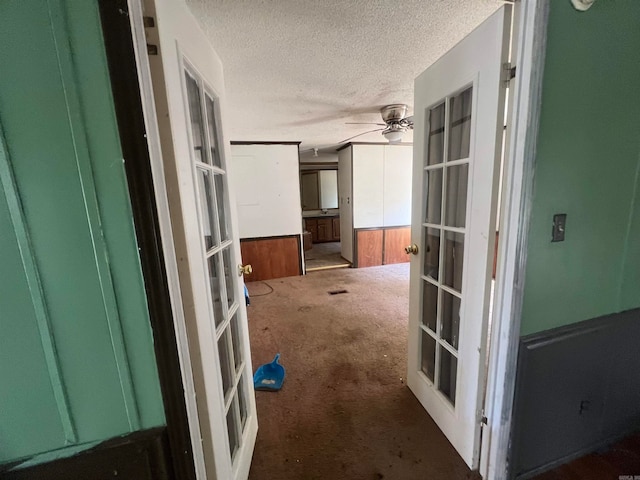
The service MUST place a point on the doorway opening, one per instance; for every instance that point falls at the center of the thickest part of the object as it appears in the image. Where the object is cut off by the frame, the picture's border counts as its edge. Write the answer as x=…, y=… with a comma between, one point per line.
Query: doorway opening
x=321, y=215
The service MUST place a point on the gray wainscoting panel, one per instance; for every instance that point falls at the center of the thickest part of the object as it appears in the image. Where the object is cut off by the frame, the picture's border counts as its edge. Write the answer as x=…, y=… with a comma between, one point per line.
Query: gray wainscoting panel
x=578, y=388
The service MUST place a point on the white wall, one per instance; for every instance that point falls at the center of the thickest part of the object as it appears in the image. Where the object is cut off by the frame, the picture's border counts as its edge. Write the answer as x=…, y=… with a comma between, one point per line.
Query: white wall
x=398, y=164
x=345, y=196
x=368, y=185
x=267, y=189
x=381, y=185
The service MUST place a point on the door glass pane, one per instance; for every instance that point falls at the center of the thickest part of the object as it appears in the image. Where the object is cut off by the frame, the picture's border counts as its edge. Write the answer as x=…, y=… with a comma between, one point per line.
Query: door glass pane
x=229, y=275
x=428, y=355
x=216, y=287
x=222, y=210
x=207, y=212
x=460, y=125
x=232, y=429
x=237, y=345
x=429, y=305
x=453, y=259
x=435, y=153
x=433, y=182
x=242, y=402
x=225, y=362
x=449, y=328
x=213, y=134
x=447, y=374
x=195, y=114
x=456, y=202
x=432, y=253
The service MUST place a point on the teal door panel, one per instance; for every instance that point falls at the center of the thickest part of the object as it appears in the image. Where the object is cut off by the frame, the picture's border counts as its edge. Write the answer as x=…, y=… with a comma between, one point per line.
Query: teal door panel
x=64, y=157
x=29, y=417
x=113, y=200
x=43, y=159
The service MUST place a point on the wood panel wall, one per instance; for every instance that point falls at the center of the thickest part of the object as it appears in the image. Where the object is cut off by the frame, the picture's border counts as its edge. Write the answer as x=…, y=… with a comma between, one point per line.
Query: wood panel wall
x=395, y=239
x=382, y=246
x=369, y=248
x=272, y=257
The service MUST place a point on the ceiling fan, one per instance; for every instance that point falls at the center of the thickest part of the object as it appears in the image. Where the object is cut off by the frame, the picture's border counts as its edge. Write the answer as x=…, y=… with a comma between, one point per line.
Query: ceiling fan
x=396, y=123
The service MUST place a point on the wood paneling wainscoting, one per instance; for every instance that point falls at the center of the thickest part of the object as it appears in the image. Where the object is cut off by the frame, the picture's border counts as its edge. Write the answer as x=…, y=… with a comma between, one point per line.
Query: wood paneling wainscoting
x=272, y=257
x=395, y=239
x=369, y=247
x=381, y=246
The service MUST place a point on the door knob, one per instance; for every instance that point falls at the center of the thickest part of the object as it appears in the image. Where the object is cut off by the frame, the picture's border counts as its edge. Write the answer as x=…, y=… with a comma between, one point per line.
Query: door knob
x=411, y=249
x=245, y=269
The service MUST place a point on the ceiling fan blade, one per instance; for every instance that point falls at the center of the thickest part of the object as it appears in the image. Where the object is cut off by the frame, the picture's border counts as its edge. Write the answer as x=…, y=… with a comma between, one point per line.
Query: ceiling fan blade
x=365, y=123
x=409, y=119
x=360, y=134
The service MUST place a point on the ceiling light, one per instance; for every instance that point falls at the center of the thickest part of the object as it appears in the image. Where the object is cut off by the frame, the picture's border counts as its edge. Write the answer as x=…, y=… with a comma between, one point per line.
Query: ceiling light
x=583, y=5
x=393, y=136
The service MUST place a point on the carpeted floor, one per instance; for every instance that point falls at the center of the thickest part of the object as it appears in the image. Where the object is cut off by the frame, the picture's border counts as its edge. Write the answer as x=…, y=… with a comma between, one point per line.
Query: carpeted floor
x=344, y=411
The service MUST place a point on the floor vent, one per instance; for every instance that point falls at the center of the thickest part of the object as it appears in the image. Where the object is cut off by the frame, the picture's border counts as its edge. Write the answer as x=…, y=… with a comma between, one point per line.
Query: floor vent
x=337, y=292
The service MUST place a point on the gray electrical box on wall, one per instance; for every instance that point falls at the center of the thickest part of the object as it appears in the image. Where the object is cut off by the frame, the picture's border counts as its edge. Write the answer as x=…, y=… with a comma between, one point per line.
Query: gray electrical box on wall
x=559, y=222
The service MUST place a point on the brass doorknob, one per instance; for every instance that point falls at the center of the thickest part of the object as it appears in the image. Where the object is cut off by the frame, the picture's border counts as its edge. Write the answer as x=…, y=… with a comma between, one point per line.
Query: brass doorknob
x=245, y=269
x=411, y=249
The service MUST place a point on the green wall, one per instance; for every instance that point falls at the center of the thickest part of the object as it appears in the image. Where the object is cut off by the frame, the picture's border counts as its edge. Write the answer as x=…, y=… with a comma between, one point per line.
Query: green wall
x=587, y=165
x=77, y=363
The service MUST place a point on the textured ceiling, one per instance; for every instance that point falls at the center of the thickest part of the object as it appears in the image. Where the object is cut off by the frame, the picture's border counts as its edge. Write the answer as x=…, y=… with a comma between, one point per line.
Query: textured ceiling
x=297, y=70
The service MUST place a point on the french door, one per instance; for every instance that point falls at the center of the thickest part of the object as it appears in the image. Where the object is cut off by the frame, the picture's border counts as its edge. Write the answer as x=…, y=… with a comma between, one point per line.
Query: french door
x=459, y=110
x=188, y=84
x=225, y=297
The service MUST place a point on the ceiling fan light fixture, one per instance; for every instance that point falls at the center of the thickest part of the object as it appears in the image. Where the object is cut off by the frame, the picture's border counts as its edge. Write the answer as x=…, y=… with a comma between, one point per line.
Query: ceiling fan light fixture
x=393, y=136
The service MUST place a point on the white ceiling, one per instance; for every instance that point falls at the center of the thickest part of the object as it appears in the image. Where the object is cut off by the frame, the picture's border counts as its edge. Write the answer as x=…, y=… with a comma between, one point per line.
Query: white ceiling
x=297, y=70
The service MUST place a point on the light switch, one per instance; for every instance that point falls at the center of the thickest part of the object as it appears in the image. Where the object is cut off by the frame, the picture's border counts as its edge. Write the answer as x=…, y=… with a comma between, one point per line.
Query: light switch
x=559, y=223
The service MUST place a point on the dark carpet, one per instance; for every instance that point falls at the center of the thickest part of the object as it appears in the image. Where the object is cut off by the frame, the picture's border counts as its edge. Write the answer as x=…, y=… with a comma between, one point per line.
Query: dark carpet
x=344, y=411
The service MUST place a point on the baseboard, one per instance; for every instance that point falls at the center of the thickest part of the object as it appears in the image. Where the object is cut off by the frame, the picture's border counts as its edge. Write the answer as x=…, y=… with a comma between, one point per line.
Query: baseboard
x=142, y=455
x=574, y=456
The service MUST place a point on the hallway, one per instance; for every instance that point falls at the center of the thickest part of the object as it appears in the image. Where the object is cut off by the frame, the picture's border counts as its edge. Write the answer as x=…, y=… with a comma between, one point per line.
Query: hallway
x=344, y=410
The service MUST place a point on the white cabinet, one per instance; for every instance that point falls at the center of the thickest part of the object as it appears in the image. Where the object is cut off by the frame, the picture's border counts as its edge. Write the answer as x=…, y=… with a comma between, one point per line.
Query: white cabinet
x=375, y=189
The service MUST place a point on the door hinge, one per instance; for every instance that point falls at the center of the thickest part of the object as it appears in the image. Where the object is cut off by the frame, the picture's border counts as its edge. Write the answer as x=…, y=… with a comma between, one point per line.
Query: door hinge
x=150, y=22
x=509, y=72
x=482, y=418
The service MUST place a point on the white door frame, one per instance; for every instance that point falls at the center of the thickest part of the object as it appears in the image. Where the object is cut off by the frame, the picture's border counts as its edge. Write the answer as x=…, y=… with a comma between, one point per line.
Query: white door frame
x=517, y=196
x=515, y=213
x=166, y=231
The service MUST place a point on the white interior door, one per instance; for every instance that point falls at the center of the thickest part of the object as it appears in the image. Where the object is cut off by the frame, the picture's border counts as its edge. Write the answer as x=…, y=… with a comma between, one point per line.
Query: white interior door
x=459, y=110
x=189, y=97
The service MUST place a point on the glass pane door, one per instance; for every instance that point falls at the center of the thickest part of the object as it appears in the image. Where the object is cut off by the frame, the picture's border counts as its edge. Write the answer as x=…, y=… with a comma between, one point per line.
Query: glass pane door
x=446, y=168
x=212, y=198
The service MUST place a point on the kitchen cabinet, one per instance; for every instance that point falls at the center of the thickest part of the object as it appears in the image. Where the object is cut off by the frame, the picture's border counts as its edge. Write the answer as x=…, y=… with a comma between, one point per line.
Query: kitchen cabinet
x=323, y=229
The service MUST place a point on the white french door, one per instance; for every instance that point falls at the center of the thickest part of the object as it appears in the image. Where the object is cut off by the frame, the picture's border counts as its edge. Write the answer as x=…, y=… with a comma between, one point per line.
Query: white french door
x=459, y=110
x=224, y=297
x=188, y=86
